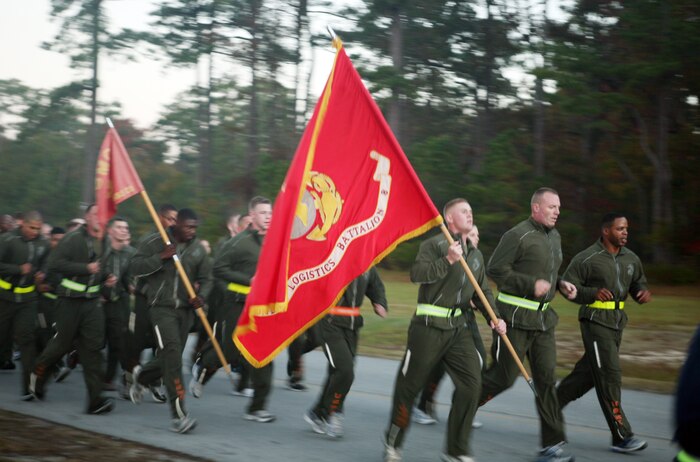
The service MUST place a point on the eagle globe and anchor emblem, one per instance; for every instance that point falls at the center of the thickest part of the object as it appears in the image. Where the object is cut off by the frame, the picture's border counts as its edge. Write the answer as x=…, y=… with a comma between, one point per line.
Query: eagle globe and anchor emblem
x=319, y=199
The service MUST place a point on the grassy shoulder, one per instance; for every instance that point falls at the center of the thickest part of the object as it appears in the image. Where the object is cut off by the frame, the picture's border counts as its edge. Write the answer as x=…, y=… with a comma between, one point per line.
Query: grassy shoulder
x=654, y=343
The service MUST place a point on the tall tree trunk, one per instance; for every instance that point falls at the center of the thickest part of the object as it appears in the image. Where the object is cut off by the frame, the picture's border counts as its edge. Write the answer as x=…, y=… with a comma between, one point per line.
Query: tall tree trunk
x=640, y=193
x=90, y=157
x=253, y=144
x=396, y=50
x=300, y=101
x=205, y=128
x=483, y=119
x=662, y=213
x=539, y=129
x=661, y=216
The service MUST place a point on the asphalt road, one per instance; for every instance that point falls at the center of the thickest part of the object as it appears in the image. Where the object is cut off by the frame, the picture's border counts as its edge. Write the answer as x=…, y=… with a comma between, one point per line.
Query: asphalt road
x=510, y=431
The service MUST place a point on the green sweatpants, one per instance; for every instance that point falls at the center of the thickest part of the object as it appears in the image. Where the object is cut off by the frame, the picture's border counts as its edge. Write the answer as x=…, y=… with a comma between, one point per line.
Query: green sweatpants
x=599, y=367
x=80, y=319
x=340, y=347
x=18, y=321
x=170, y=328
x=261, y=379
x=541, y=351
x=116, y=327
x=427, y=397
x=140, y=332
x=432, y=340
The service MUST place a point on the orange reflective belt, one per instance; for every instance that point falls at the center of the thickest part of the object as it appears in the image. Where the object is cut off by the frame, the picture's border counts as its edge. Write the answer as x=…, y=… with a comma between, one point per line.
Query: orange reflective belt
x=345, y=311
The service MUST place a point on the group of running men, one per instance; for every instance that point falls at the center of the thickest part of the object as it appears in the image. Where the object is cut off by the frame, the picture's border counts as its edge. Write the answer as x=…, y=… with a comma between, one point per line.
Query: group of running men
x=76, y=293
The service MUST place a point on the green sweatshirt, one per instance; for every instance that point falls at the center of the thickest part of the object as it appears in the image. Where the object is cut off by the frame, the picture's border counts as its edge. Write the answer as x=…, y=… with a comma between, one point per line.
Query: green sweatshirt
x=237, y=261
x=446, y=285
x=15, y=251
x=367, y=284
x=116, y=262
x=69, y=262
x=527, y=252
x=161, y=282
x=595, y=268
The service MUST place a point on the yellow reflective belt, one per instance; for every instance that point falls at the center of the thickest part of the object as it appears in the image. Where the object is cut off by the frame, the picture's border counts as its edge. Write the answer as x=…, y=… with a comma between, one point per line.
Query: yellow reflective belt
x=78, y=287
x=425, y=309
x=521, y=302
x=685, y=457
x=606, y=305
x=5, y=285
x=49, y=295
x=24, y=290
x=239, y=288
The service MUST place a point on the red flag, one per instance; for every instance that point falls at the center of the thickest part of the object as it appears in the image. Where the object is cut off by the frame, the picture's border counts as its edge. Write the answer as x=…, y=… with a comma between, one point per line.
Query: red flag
x=349, y=198
x=116, y=179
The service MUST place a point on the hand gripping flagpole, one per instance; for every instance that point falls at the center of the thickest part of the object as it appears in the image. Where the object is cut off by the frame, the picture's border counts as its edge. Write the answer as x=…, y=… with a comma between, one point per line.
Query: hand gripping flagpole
x=185, y=279
x=490, y=311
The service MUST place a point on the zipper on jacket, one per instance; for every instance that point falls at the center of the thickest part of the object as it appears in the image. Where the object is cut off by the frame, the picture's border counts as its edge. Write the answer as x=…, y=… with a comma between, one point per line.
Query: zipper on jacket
x=30, y=259
x=155, y=297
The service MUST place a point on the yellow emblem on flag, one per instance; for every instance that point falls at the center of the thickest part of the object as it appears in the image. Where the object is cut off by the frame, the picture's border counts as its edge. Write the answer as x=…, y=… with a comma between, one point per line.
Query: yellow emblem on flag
x=319, y=199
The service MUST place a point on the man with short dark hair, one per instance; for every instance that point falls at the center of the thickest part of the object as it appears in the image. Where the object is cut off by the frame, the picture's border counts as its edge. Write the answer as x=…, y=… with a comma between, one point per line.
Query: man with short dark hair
x=140, y=330
x=604, y=275
x=78, y=313
x=7, y=223
x=525, y=266
x=171, y=308
x=46, y=308
x=23, y=254
x=115, y=295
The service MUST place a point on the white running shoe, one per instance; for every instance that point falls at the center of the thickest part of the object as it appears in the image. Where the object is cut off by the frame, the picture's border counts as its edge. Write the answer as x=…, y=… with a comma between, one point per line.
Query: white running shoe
x=422, y=417
x=261, y=415
x=318, y=425
x=391, y=454
x=246, y=392
x=136, y=390
x=334, y=426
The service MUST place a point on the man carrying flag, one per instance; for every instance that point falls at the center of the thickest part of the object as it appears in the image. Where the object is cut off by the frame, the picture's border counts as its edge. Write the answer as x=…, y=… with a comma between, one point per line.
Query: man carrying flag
x=171, y=308
x=440, y=333
x=349, y=198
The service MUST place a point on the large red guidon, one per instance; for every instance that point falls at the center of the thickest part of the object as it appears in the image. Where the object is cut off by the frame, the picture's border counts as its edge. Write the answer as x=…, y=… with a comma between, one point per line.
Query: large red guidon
x=349, y=198
x=116, y=179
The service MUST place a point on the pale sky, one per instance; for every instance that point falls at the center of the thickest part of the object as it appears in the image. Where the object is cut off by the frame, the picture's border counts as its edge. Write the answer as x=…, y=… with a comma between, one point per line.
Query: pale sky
x=143, y=88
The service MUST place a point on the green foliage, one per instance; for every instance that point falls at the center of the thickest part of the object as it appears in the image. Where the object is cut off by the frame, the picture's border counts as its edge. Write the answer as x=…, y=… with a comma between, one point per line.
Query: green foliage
x=675, y=274
x=620, y=104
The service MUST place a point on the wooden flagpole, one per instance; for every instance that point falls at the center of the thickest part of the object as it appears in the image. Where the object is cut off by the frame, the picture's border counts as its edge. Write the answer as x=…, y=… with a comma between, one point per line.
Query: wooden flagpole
x=185, y=279
x=490, y=311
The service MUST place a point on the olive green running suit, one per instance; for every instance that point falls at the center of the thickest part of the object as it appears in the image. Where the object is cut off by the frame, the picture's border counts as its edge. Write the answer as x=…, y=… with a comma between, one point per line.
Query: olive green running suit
x=601, y=329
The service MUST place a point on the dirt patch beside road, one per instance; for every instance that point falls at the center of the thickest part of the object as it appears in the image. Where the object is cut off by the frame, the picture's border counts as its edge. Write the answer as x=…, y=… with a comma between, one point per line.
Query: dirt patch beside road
x=24, y=438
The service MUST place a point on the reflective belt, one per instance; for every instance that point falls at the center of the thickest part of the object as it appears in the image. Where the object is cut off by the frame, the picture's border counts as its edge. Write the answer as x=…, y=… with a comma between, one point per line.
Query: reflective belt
x=345, y=311
x=683, y=456
x=425, y=309
x=24, y=290
x=49, y=295
x=238, y=288
x=607, y=305
x=522, y=302
x=18, y=290
x=78, y=287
